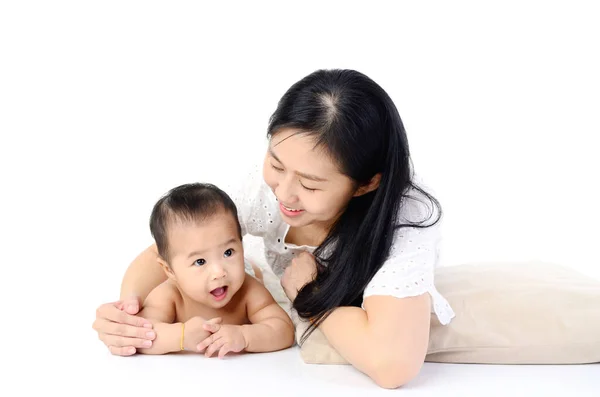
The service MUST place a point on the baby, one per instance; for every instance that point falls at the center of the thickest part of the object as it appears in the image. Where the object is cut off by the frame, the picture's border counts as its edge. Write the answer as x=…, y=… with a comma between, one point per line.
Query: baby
x=208, y=302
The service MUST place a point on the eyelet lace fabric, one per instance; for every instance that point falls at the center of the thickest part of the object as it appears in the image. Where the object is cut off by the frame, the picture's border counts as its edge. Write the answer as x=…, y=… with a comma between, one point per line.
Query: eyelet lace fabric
x=408, y=270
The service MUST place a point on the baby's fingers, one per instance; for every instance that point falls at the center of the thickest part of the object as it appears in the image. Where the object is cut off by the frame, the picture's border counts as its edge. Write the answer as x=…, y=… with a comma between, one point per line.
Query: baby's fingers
x=212, y=328
x=214, y=347
x=224, y=350
x=206, y=342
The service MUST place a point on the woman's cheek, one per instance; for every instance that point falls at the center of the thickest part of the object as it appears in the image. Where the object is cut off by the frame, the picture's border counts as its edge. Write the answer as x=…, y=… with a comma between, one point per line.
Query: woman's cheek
x=315, y=207
x=269, y=178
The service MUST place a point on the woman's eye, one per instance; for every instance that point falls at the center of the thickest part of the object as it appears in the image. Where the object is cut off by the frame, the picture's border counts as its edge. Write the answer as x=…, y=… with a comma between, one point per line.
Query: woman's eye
x=228, y=253
x=277, y=168
x=199, y=262
x=307, y=188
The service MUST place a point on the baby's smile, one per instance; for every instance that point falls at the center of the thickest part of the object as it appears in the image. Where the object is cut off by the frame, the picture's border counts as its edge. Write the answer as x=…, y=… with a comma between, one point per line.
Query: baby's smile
x=219, y=293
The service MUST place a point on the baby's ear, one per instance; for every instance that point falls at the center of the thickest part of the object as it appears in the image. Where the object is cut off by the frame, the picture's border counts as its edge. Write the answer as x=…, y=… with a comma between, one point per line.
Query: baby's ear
x=166, y=268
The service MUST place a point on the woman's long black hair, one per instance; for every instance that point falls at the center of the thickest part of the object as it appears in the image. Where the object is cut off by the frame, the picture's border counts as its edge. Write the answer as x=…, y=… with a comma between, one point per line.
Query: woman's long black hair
x=355, y=120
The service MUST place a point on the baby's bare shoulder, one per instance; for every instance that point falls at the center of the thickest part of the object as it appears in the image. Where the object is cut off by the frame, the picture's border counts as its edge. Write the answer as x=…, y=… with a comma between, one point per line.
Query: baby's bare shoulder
x=160, y=303
x=256, y=294
x=165, y=292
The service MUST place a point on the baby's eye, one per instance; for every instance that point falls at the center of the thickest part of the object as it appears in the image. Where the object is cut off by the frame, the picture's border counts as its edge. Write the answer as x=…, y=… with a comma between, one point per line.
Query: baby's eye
x=228, y=253
x=199, y=262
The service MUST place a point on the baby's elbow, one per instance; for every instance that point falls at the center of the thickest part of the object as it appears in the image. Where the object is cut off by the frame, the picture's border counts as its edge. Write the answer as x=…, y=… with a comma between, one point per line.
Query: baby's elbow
x=290, y=336
x=392, y=374
x=285, y=334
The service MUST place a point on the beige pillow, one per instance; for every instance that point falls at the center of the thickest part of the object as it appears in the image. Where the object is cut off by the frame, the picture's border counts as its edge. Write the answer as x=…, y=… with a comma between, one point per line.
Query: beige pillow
x=506, y=313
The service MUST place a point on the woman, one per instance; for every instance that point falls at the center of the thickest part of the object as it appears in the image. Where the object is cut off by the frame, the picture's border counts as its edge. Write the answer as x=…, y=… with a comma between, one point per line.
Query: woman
x=345, y=226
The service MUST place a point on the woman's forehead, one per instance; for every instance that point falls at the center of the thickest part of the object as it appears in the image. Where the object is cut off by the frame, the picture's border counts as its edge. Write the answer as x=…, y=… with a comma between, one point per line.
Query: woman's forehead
x=300, y=151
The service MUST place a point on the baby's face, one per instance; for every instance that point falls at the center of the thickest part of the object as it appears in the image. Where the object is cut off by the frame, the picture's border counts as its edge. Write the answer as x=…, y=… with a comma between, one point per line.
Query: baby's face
x=207, y=259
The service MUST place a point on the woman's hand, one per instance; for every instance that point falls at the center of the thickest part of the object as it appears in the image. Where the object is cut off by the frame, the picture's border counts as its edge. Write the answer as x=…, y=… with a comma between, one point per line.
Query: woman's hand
x=120, y=330
x=300, y=272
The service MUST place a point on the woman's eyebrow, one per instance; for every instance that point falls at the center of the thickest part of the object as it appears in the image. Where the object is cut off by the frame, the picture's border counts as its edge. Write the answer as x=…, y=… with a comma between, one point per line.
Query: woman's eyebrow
x=311, y=177
x=302, y=174
x=272, y=153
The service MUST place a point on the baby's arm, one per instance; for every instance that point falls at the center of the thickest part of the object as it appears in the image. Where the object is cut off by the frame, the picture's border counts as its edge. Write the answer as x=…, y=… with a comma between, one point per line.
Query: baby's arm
x=271, y=328
x=159, y=308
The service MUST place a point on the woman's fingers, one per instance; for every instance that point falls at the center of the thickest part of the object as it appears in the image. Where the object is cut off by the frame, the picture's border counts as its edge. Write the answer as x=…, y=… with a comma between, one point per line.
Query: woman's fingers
x=121, y=341
x=122, y=333
x=111, y=312
x=122, y=351
x=131, y=305
x=128, y=331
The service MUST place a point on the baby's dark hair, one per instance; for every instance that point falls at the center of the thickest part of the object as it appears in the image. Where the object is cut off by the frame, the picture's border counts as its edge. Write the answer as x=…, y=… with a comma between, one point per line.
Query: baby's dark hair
x=192, y=202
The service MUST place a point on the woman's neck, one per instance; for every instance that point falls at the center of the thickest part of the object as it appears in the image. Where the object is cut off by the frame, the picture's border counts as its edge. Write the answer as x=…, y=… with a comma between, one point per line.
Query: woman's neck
x=310, y=235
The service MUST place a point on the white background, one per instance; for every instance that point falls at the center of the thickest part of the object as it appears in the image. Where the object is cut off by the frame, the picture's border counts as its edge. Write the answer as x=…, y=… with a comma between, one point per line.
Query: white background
x=106, y=105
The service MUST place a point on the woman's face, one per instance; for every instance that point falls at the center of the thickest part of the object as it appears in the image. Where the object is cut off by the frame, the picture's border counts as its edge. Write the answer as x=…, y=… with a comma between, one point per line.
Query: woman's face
x=308, y=184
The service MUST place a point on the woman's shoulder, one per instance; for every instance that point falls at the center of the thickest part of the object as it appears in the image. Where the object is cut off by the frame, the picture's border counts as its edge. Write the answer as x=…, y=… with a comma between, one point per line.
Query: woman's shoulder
x=415, y=253
x=417, y=238
x=419, y=205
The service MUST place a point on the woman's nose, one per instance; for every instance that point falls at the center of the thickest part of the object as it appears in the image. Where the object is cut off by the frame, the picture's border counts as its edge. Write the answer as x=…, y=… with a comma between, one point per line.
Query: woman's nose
x=285, y=191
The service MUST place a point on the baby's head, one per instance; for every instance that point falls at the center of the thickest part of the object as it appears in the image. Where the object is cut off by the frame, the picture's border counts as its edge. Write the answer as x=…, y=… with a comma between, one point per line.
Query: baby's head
x=196, y=230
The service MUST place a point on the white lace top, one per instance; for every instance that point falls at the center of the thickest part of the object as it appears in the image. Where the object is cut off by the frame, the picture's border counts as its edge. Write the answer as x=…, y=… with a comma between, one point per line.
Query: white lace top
x=408, y=271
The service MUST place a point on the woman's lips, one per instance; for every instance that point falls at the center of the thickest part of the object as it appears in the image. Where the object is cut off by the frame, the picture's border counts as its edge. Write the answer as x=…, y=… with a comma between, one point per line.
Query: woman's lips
x=290, y=212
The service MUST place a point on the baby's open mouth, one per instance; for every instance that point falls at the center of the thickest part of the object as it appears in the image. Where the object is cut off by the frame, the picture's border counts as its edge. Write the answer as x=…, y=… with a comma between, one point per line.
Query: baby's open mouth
x=219, y=292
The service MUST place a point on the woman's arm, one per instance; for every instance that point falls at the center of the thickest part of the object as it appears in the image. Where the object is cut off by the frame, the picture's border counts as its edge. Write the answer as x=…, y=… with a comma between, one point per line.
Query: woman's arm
x=143, y=275
x=387, y=341
x=116, y=323
x=159, y=308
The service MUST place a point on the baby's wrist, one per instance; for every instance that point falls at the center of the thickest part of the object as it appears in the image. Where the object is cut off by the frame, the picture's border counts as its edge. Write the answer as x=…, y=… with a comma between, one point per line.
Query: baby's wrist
x=187, y=336
x=245, y=330
x=184, y=337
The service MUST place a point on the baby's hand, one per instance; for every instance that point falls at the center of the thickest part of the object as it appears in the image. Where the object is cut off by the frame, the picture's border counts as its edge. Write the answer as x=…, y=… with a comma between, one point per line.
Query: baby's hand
x=224, y=339
x=194, y=331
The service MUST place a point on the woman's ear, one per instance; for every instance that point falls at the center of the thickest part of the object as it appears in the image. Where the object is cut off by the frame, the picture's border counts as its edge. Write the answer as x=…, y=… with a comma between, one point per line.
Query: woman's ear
x=369, y=187
x=166, y=268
